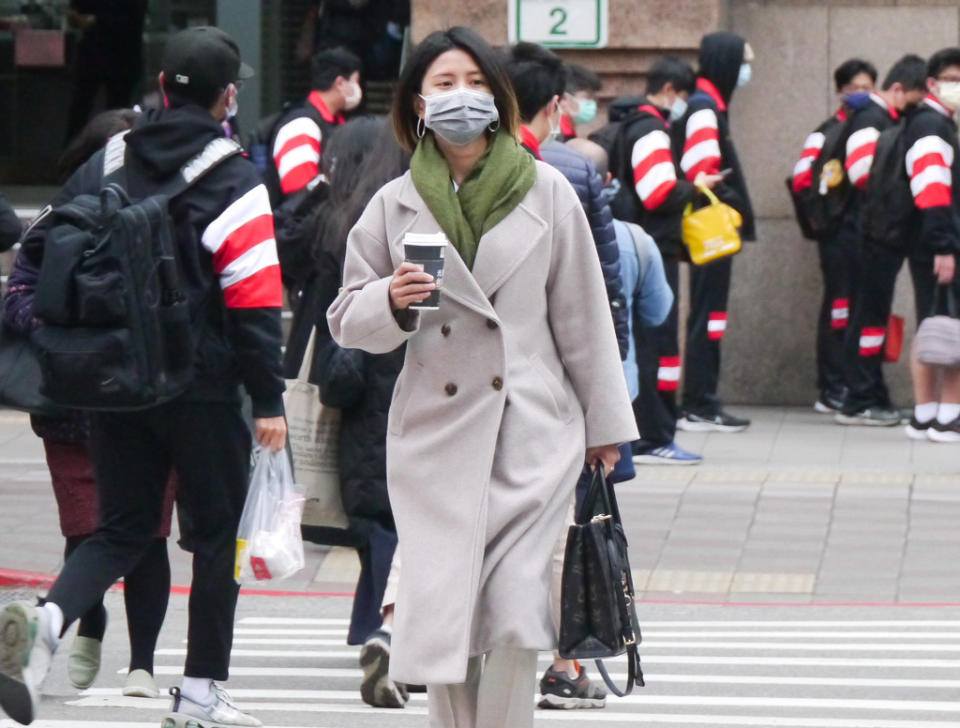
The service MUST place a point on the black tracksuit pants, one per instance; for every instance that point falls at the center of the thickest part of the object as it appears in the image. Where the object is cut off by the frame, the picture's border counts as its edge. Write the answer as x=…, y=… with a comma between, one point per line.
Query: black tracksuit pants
x=706, y=326
x=838, y=266
x=208, y=443
x=864, y=344
x=658, y=359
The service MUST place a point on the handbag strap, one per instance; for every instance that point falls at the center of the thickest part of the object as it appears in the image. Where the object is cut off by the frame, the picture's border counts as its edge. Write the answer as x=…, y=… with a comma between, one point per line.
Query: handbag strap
x=306, y=364
x=634, y=674
x=951, y=300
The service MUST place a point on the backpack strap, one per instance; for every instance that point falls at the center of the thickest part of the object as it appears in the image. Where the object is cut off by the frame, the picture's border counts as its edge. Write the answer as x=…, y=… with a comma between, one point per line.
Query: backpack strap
x=216, y=151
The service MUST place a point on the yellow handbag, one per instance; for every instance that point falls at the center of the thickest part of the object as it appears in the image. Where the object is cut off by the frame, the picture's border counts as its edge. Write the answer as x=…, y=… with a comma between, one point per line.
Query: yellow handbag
x=713, y=231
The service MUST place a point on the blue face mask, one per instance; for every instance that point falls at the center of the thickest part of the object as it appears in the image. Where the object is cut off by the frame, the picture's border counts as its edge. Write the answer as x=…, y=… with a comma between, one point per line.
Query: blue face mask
x=856, y=100
x=613, y=189
x=746, y=73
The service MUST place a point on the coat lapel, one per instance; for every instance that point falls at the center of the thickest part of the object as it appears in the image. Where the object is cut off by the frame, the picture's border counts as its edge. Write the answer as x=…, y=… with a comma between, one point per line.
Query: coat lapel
x=458, y=282
x=502, y=249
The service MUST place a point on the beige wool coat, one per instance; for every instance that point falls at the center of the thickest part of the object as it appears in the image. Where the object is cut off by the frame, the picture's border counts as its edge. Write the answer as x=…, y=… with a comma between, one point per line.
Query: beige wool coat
x=502, y=390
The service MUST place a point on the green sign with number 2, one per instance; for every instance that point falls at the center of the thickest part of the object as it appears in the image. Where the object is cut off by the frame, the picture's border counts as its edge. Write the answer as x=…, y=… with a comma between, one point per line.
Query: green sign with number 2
x=559, y=23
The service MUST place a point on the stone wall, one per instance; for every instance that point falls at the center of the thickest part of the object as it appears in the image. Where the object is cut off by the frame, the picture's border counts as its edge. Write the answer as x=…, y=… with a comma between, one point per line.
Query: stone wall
x=769, y=348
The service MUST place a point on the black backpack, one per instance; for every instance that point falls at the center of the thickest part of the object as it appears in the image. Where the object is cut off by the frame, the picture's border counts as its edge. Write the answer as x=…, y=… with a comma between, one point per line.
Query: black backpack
x=888, y=207
x=116, y=331
x=258, y=144
x=624, y=205
x=820, y=207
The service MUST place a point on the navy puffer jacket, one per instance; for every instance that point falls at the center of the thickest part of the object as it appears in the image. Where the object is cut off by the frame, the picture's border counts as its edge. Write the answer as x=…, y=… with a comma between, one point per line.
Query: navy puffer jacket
x=588, y=184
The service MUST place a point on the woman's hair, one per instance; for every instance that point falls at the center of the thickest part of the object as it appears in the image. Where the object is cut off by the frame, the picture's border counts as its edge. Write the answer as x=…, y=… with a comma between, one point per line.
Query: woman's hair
x=358, y=160
x=411, y=81
x=93, y=136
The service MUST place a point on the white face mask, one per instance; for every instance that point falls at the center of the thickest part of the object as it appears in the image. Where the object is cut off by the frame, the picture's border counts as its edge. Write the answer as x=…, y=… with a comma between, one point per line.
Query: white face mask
x=746, y=73
x=678, y=109
x=233, y=107
x=353, y=100
x=949, y=93
x=459, y=116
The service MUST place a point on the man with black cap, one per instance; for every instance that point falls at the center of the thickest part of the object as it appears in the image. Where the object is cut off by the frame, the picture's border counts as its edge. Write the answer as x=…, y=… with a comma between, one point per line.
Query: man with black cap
x=702, y=143
x=226, y=250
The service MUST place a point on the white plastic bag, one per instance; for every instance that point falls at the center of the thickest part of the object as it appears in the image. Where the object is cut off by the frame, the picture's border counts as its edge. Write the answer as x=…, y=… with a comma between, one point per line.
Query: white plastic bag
x=269, y=544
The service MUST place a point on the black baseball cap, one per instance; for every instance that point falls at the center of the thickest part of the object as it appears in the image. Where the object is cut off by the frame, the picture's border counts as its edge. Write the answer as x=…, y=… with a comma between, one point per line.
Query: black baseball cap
x=200, y=62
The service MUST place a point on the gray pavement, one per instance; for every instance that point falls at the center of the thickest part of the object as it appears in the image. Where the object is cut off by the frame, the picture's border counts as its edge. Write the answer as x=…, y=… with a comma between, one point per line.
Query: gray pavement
x=805, y=575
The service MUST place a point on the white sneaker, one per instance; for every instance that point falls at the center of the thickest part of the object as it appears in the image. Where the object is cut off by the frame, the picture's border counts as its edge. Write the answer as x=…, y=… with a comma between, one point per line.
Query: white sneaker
x=221, y=713
x=25, y=656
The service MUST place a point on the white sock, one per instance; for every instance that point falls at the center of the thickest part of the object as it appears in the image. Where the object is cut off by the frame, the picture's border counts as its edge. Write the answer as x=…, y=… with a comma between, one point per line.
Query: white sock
x=925, y=412
x=54, y=623
x=198, y=689
x=386, y=628
x=947, y=413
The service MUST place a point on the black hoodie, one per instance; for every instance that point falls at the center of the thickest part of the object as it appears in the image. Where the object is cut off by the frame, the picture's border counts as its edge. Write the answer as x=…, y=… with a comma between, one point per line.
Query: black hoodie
x=226, y=248
x=721, y=55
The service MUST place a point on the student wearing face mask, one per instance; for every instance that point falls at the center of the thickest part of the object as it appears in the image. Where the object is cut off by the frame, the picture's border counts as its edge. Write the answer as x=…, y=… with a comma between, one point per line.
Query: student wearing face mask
x=703, y=144
x=653, y=195
x=854, y=81
x=933, y=165
x=508, y=388
x=298, y=137
x=867, y=400
x=579, y=101
x=539, y=77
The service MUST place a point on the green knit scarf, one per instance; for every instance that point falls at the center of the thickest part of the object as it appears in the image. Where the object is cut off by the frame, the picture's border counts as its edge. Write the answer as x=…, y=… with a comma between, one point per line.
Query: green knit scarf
x=498, y=182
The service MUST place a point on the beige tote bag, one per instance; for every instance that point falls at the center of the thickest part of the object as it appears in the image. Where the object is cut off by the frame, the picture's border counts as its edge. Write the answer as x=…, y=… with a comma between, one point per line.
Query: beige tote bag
x=314, y=432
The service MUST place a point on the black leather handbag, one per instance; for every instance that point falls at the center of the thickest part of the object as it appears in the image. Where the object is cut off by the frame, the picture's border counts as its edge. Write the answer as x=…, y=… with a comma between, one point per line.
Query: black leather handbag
x=598, y=615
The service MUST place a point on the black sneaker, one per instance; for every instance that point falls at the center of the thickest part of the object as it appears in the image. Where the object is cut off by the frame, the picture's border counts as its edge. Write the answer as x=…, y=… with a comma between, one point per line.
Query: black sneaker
x=917, y=430
x=871, y=416
x=376, y=688
x=949, y=432
x=719, y=422
x=560, y=692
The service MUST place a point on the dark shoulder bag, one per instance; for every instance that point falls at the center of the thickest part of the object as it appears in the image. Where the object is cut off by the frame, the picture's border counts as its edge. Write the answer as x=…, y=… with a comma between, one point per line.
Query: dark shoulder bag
x=598, y=615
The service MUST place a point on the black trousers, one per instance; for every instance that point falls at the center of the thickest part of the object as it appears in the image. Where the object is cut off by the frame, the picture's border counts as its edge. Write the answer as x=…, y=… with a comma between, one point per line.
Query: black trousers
x=864, y=343
x=118, y=76
x=839, y=263
x=706, y=325
x=658, y=359
x=208, y=444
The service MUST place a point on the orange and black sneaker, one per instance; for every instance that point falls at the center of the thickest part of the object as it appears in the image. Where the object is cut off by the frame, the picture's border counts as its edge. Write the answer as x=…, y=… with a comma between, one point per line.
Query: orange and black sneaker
x=561, y=692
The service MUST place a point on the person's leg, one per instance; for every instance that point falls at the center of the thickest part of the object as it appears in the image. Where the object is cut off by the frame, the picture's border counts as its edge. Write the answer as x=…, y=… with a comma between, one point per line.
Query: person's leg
x=86, y=85
x=93, y=624
x=508, y=680
x=131, y=467
x=832, y=323
x=706, y=326
x=867, y=331
x=658, y=360
x=373, y=627
x=455, y=706
x=210, y=445
x=146, y=593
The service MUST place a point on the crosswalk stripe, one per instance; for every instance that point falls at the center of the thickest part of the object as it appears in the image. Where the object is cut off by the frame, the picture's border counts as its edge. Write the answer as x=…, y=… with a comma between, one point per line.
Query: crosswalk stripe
x=595, y=717
x=327, y=621
x=845, y=704
x=651, y=678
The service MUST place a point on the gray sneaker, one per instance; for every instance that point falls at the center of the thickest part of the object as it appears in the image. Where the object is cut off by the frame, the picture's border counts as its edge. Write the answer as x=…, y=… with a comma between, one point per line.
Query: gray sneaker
x=25, y=657
x=221, y=713
x=871, y=416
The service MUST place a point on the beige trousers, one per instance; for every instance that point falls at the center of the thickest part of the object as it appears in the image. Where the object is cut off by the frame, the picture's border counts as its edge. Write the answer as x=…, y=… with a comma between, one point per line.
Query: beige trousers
x=499, y=693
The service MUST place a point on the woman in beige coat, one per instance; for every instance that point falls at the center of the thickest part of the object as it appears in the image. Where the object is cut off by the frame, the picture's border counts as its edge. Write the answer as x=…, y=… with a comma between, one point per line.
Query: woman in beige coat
x=507, y=387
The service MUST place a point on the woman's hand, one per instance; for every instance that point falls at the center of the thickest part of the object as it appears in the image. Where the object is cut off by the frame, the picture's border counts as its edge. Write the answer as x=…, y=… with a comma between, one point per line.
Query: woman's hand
x=409, y=285
x=609, y=455
x=708, y=180
x=272, y=432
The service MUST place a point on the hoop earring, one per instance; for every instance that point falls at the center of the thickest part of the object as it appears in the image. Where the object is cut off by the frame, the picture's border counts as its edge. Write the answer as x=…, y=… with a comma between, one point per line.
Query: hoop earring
x=420, y=128
x=493, y=128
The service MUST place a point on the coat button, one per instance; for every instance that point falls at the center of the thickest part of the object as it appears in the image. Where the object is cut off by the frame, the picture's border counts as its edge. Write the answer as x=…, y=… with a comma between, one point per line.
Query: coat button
x=497, y=383
x=450, y=389
x=445, y=329
x=491, y=324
